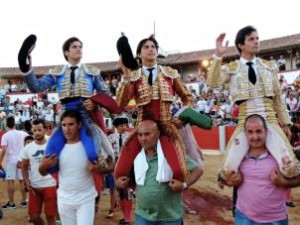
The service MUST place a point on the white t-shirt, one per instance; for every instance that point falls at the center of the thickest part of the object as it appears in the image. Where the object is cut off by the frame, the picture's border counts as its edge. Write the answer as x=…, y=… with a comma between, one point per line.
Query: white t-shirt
x=76, y=183
x=14, y=142
x=35, y=153
x=201, y=105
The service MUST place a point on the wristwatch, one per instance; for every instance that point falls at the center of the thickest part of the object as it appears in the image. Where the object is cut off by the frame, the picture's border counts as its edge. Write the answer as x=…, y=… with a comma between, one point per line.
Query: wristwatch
x=184, y=186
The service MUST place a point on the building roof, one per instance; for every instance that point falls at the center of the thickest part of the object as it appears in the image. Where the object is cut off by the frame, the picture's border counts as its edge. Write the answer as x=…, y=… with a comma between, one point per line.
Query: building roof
x=266, y=46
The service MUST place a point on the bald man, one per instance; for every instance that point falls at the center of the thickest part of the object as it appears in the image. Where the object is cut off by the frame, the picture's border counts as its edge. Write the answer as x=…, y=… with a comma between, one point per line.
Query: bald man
x=155, y=181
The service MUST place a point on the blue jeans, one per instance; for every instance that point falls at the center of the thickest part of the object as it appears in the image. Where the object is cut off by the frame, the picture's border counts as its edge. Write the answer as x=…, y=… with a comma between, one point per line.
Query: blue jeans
x=241, y=219
x=141, y=221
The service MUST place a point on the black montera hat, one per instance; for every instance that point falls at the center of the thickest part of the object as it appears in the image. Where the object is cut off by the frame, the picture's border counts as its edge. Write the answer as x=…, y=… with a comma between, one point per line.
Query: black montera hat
x=120, y=120
x=124, y=50
x=26, y=48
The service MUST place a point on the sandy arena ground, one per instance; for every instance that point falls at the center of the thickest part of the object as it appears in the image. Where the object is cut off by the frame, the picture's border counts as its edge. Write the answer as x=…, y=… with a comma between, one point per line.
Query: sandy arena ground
x=210, y=205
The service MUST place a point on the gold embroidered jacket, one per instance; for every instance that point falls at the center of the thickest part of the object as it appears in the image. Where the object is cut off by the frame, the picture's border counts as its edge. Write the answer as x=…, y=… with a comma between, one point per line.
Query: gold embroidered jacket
x=168, y=83
x=234, y=76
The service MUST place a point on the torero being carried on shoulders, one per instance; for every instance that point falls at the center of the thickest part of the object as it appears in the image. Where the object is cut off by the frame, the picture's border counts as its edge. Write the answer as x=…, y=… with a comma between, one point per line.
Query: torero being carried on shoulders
x=254, y=86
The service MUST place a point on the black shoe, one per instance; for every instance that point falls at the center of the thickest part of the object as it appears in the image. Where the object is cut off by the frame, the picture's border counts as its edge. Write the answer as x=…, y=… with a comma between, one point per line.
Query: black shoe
x=27, y=47
x=23, y=204
x=110, y=214
x=290, y=204
x=9, y=205
x=124, y=222
x=1, y=214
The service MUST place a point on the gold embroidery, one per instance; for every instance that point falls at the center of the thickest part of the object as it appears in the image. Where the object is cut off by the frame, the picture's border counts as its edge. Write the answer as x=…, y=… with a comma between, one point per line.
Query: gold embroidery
x=169, y=72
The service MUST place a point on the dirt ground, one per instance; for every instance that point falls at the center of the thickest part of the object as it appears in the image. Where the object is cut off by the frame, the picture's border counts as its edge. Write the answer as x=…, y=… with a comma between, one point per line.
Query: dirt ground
x=208, y=204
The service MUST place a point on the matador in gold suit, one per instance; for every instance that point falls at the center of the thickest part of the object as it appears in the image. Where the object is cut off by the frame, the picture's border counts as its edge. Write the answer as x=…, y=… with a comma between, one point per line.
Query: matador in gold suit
x=263, y=98
x=153, y=103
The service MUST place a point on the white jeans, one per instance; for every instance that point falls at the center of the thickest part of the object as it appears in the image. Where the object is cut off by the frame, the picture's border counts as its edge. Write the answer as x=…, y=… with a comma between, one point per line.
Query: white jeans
x=81, y=214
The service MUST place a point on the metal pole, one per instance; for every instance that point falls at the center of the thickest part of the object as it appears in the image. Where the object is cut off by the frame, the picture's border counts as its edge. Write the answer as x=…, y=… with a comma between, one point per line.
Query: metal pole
x=222, y=139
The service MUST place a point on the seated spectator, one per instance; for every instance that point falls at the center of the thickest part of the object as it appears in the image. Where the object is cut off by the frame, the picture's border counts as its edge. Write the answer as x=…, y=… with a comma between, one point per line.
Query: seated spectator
x=282, y=84
x=292, y=104
x=226, y=109
x=23, y=87
x=14, y=87
x=200, y=106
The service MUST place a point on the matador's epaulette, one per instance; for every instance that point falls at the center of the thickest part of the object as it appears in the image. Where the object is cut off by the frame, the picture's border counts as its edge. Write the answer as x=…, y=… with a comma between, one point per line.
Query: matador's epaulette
x=169, y=72
x=92, y=70
x=269, y=64
x=233, y=66
x=135, y=75
x=57, y=70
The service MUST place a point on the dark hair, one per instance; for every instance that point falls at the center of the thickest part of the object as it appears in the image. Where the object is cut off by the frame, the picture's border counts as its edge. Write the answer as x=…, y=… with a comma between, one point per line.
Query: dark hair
x=28, y=138
x=71, y=113
x=10, y=122
x=142, y=42
x=66, y=46
x=294, y=119
x=256, y=116
x=39, y=121
x=27, y=126
x=242, y=34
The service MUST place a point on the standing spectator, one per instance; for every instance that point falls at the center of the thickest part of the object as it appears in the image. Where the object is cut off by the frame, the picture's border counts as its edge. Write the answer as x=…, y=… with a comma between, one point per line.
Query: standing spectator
x=42, y=189
x=281, y=63
x=114, y=84
x=207, y=109
x=117, y=140
x=2, y=96
x=259, y=201
x=29, y=102
x=18, y=118
x=12, y=143
x=2, y=120
x=49, y=114
x=297, y=57
x=6, y=103
x=159, y=199
x=201, y=83
x=35, y=101
x=25, y=116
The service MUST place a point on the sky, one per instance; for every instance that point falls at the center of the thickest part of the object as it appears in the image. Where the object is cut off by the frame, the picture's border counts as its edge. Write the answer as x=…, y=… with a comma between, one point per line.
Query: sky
x=180, y=25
